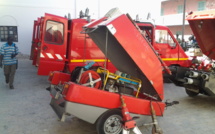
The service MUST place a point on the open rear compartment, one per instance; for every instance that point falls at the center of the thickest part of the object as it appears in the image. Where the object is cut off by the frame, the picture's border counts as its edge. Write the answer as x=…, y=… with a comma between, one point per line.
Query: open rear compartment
x=139, y=76
x=202, y=25
x=129, y=51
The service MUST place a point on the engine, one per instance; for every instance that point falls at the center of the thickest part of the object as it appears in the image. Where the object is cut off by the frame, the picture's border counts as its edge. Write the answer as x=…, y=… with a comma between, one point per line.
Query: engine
x=101, y=78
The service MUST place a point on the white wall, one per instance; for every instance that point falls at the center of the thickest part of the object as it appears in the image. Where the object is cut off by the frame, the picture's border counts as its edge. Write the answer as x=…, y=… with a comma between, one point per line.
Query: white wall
x=22, y=13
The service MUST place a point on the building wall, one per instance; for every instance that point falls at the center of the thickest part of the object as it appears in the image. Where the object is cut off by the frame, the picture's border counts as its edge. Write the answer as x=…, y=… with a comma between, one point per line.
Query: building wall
x=171, y=6
x=176, y=29
x=170, y=11
x=22, y=13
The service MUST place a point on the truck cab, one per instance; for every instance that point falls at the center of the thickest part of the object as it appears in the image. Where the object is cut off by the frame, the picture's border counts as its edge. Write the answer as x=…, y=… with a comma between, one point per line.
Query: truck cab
x=165, y=44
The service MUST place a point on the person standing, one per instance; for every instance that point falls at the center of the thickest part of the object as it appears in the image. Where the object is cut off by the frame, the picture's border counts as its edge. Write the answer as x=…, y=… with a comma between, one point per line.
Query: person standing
x=8, y=52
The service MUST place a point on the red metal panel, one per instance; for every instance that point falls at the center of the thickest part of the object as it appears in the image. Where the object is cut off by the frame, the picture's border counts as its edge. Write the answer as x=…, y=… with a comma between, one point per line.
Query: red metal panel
x=202, y=25
x=129, y=52
x=59, y=77
x=100, y=98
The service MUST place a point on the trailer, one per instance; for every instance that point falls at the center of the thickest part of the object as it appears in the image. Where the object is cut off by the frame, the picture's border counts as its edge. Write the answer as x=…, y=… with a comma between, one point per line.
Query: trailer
x=93, y=93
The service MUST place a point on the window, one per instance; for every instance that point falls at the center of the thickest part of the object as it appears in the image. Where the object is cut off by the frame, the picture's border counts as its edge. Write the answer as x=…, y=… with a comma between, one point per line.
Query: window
x=162, y=11
x=147, y=32
x=178, y=36
x=180, y=9
x=54, y=32
x=179, y=32
x=162, y=36
x=6, y=31
x=201, y=5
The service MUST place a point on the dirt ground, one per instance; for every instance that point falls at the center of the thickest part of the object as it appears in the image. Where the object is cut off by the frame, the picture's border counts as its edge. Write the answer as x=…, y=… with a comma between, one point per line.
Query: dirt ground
x=26, y=109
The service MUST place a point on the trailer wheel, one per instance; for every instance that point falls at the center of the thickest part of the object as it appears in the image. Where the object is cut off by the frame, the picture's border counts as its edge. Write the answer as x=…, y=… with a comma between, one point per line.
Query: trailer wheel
x=110, y=122
x=191, y=93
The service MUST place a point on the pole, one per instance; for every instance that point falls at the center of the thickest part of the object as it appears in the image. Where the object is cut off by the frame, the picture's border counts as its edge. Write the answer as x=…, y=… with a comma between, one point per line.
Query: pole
x=183, y=26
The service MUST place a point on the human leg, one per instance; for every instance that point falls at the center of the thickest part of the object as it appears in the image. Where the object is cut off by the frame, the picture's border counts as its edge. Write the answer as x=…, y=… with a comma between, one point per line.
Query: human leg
x=7, y=73
x=12, y=74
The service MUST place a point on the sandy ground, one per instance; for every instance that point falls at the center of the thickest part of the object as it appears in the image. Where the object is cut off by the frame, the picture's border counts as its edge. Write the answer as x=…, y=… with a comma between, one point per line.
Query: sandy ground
x=26, y=109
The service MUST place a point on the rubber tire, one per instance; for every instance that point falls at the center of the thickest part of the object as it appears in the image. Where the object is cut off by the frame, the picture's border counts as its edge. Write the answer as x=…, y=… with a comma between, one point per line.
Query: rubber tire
x=100, y=124
x=191, y=93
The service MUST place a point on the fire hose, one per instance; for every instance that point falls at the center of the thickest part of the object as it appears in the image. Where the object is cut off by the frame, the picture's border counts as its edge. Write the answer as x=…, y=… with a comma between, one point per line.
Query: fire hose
x=91, y=79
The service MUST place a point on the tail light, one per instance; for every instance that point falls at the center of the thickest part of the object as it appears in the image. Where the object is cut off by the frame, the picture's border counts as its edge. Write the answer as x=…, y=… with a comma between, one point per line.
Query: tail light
x=51, y=74
x=65, y=89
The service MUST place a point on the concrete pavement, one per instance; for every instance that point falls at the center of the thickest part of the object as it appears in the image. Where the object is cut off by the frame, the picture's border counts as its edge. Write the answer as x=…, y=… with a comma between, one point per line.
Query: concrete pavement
x=26, y=110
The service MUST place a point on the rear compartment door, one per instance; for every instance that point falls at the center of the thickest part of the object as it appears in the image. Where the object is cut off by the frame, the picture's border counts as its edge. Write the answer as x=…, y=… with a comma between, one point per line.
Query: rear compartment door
x=35, y=40
x=53, y=45
x=202, y=24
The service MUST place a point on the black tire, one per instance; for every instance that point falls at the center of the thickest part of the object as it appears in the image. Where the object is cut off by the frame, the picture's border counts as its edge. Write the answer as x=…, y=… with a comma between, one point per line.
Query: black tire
x=191, y=93
x=110, y=122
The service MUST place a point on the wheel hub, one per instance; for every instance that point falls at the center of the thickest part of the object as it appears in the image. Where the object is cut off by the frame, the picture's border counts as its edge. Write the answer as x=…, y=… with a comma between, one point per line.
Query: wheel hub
x=113, y=125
